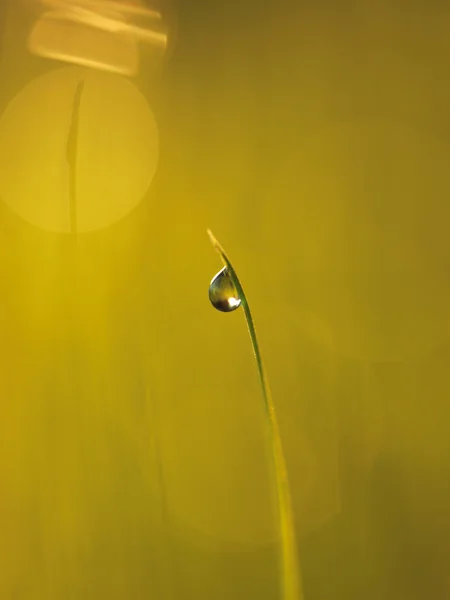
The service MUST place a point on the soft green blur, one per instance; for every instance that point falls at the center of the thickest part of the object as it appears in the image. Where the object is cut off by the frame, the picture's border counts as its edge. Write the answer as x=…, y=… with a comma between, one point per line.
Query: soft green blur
x=314, y=140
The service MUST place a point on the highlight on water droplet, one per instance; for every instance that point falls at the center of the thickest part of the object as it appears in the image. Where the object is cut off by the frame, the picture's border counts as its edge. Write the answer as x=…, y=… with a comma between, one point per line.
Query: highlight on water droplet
x=101, y=34
x=222, y=292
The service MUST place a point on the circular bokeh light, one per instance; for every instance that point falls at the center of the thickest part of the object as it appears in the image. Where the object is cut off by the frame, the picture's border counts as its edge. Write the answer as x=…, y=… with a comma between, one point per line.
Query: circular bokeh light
x=116, y=150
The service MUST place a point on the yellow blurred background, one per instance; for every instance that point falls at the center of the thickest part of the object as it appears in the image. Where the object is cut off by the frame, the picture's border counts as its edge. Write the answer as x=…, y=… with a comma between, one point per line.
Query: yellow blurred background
x=314, y=140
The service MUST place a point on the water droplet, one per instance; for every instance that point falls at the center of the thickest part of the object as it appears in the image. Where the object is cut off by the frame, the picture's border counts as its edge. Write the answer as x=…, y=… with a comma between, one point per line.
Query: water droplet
x=222, y=292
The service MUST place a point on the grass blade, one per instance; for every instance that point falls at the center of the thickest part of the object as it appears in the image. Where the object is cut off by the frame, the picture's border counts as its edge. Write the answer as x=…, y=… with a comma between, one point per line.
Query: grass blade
x=291, y=583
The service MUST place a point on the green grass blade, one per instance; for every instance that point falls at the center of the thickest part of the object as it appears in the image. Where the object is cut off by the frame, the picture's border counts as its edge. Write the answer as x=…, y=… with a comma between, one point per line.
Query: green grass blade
x=291, y=582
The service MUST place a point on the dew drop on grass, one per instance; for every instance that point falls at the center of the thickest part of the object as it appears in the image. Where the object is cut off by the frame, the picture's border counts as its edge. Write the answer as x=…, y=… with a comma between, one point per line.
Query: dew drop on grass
x=222, y=292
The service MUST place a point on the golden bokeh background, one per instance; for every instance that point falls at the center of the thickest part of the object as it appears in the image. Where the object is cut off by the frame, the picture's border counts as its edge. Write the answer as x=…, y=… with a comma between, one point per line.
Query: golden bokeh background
x=314, y=140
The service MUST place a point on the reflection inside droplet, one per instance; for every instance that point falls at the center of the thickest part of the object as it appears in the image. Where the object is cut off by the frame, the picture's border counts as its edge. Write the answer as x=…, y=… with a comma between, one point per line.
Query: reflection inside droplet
x=102, y=34
x=222, y=292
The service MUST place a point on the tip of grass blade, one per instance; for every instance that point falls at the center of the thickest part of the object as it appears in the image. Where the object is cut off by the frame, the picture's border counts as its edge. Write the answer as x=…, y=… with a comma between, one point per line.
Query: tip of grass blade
x=213, y=240
x=218, y=248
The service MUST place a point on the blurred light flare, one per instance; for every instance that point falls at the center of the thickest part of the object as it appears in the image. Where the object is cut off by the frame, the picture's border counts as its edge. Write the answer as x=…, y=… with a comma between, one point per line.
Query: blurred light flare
x=99, y=34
